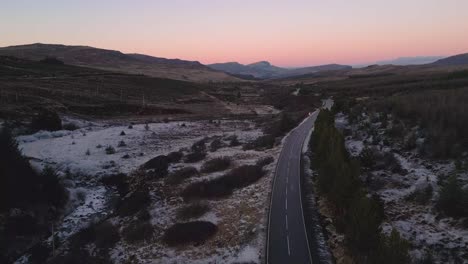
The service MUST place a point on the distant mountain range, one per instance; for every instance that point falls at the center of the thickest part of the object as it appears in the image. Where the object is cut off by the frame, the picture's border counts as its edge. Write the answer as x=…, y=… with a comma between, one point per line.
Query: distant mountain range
x=411, y=60
x=264, y=70
x=117, y=61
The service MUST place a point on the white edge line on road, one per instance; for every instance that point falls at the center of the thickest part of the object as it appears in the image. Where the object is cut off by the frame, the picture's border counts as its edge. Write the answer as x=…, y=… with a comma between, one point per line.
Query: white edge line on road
x=300, y=192
x=271, y=201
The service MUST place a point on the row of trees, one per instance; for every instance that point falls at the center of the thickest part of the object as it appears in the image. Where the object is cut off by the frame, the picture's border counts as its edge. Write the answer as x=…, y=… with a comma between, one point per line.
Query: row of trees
x=356, y=213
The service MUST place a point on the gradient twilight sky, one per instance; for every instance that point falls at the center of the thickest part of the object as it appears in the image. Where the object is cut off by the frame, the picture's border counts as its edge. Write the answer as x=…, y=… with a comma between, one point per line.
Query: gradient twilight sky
x=284, y=32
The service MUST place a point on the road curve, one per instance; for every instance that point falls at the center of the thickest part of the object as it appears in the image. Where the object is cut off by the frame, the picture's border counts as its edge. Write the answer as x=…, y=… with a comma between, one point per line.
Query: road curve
x=287, y=237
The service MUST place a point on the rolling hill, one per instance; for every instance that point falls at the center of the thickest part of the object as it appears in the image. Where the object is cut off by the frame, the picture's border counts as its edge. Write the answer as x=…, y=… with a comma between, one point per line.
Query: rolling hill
x=264, y=70
x=117, y=61
x=457, y=60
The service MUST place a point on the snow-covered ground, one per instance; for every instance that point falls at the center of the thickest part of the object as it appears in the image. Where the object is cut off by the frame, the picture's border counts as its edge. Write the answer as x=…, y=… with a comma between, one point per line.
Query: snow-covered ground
x=240, y=218
x=421, y=224
x=81, y=159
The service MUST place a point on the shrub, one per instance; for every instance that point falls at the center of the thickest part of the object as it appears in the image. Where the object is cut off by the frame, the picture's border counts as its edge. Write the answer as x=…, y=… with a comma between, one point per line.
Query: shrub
x=21, y=225
x=192, y=211
x=143, y=215
x=180, y=175
x=261, y=143
x=224, y=185
x=137, y=232
x=121, y=144
x=191, y=232
x=199, y=146
x=264, y=161
x=216, y=164
x=216, y=144
x=453, y=200
x=79, y=256
x=119, y=181
x=46, y=120
x=107, y=235
x=88, y=152
x=19, y=183
x=281, y=126
x=52, y=61
x=367, y=157
x=70, y=126
x=175, y=156
x=393, y=249
x=133, y=203
x=83, y=237
x=53, y=190
x=122, y=133
x=421, y=196
x=159, y=164
x=39, y=253
x=194, y=157
x=110, y=150
x=233, y=141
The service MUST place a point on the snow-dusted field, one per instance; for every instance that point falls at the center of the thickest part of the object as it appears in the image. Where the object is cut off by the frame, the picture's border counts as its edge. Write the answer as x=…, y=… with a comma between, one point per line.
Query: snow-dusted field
x=81, y=159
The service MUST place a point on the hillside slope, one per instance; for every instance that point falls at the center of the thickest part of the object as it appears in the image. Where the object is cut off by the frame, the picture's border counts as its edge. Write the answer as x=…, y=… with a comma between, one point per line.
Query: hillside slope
x=461, y=59
x=119, y=62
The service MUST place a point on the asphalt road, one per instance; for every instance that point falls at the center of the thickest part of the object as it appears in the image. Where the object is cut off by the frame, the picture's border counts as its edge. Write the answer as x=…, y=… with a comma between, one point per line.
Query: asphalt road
x=287, y=238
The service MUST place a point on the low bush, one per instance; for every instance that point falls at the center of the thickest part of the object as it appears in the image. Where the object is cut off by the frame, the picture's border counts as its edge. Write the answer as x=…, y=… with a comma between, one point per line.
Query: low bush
x=180, y=175
x=192, y=211
x=261, y=143
x=421, y=196
x=119, y=181
x=133, y=203
x=136, y=232
x=191, y=232
x=39, y=253
x=216, y=164
x=175, y=156
x=18, y=182
x=453, y=199
x=70, y=126
x=194, y=157
x=233, y=141
x=224, y=185
x=79, y=256
x=282, y=125
x=199, y=146
x=83, y=237
x=110, y=150
x=107, y=235
x=46, y=120
x=264, y=161
x=54, y=193
x=121, y=144
x=159, y=164
x=216, y=144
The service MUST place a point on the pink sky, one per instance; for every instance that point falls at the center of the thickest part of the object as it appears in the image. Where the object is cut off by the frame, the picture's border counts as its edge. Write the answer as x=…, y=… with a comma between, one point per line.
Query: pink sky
x=286, y=33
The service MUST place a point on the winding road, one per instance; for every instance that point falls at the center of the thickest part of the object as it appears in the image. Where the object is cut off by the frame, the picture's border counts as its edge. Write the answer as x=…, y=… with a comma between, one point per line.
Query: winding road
x=287, y=237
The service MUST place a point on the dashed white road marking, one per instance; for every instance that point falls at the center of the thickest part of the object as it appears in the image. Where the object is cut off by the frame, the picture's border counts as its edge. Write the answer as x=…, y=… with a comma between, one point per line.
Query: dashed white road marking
x=289, y=249
x=287, y=223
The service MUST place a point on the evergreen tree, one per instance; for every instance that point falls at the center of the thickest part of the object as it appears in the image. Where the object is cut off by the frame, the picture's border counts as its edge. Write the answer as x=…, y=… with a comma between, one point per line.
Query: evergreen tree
x=18, y=182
